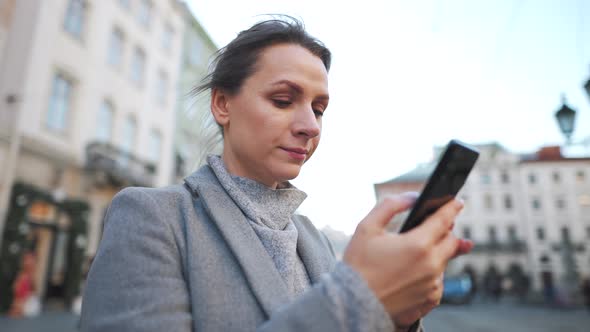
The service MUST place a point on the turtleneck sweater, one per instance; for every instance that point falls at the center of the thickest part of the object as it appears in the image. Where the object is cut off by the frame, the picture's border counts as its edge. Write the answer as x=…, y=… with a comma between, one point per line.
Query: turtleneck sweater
x=269, y=212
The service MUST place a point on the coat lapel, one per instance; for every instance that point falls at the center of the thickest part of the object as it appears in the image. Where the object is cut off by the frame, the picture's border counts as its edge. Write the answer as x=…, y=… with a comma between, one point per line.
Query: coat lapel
x=259, y=269
x=316, y=256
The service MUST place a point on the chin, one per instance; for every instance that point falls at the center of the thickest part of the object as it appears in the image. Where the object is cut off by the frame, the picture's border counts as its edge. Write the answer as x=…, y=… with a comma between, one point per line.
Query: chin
x=287, y=172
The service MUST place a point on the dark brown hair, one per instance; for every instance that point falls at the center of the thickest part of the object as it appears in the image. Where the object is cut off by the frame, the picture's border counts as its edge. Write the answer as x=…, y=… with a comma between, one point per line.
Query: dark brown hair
x=234, y=63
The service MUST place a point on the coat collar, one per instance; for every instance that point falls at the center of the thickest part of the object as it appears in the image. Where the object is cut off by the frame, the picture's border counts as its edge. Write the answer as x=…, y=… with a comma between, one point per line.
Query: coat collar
x=259, y=269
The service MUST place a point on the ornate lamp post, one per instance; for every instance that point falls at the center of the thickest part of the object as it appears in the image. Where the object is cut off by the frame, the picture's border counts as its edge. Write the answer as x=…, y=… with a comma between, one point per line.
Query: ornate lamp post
x=566, y=118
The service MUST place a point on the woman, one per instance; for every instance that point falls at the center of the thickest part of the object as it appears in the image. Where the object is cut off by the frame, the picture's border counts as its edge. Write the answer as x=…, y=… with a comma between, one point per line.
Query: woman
x=225, y=251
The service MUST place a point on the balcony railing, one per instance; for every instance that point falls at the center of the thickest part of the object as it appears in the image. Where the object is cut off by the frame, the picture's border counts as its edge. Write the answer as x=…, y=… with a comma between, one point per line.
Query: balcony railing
x=118, y=167
x=512, y=246
x=568, y=246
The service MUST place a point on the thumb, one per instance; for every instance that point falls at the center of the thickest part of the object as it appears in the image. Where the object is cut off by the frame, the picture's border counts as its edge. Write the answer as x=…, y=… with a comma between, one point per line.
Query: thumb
x=385, y=209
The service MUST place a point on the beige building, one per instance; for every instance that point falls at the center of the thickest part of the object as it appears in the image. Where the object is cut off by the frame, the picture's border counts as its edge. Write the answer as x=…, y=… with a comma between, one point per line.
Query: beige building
x=556, y=192
x=88, y=91
x=529, y=215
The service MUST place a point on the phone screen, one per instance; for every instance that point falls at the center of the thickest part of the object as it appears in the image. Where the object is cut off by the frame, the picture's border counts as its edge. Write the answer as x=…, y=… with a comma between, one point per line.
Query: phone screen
x=448, y=177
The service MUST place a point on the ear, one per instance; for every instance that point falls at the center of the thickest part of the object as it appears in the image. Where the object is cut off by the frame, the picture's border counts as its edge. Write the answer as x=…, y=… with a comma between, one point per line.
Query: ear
x=219, y=107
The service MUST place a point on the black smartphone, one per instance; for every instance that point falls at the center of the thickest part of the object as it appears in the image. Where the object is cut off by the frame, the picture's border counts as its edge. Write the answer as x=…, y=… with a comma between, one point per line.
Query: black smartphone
x=444, y=183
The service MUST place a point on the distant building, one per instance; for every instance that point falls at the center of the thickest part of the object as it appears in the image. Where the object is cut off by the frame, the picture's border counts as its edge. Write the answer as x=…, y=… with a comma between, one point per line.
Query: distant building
x=529, y=216
x=95, y=84
x=198, y=49
x=339, y=240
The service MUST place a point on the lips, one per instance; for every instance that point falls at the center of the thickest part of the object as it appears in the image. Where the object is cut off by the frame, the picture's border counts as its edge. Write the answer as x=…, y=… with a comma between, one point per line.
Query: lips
x=296, y=150
x=298, y=154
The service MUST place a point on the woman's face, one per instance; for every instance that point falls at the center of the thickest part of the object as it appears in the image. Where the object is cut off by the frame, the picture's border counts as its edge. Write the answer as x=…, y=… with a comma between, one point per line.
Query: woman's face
x=273, y=124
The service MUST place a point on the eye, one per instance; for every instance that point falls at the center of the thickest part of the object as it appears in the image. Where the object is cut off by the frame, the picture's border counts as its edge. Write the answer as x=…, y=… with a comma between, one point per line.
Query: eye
x=280, y=103
x=318, y=109
x=318, y=113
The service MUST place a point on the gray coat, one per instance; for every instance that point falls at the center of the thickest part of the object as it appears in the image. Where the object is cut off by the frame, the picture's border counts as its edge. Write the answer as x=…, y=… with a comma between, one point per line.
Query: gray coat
x=185, y=258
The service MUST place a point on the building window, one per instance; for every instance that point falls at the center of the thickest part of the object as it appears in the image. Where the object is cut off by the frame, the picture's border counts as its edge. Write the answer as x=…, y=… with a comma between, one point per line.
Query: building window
x=105, y=122
x=138, y=66
x=508, y=202
x=466, y=233
x=532, y=178
x=486, y=178
x=161, y=88
x=536, y=203
x=540, y=234
x=195, y=51
x=492, y=236
x=505, y=177
x=584, y=200
x=565, y=234
x=556, y=177
x=144, y=14
x=155, y=146
x=115, y=55
x=512, y=234
x=488, y=201
x=560, y=203
x=129, y=134
x=580, y=176
x=59, y=103
x=74, y=20
x=167, y=37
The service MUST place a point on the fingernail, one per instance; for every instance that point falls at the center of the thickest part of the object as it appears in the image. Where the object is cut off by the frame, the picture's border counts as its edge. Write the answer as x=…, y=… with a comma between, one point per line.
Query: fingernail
x=461, y=202
x=411, y=195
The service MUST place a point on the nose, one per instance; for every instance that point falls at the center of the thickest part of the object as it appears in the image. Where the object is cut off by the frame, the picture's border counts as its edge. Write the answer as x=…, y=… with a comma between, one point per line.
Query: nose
x=306, y=123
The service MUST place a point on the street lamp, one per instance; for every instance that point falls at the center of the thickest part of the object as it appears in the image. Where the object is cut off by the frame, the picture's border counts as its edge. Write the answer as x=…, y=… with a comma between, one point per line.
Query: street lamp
x=566, y=118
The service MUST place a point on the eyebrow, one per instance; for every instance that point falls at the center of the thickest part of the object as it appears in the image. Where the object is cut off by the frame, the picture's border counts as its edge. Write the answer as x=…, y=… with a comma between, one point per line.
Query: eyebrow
x=299, y=89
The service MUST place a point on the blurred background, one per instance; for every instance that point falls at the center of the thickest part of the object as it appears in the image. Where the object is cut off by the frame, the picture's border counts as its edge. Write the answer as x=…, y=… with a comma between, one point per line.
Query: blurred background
x=95, y=96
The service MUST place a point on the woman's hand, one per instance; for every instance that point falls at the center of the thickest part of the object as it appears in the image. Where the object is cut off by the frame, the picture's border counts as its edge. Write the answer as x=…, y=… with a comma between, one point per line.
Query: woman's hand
x=404, y=270
x=405, y=319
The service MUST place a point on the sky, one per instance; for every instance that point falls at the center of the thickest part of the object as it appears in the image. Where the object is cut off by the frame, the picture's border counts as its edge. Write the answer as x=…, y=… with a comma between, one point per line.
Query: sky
x=410, y=75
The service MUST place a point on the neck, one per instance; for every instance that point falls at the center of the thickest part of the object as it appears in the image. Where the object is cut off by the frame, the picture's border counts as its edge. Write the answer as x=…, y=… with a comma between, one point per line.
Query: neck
x=234, y=167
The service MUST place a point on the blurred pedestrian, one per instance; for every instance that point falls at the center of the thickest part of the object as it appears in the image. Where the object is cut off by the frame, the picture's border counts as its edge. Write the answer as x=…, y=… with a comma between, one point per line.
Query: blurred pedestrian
x=473, y=279
x=493, y=283
x=226, y=251
x=523, y=287
x=25, y=301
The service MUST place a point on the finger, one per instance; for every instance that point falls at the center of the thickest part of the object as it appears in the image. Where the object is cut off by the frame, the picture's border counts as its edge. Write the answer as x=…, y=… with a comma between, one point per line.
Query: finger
x=388, y=207
x=439, y=224
x=465, y=246
x=448, y=247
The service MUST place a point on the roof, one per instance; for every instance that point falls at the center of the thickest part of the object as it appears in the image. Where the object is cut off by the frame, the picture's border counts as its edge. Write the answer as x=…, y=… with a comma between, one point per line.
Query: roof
x=549, y=154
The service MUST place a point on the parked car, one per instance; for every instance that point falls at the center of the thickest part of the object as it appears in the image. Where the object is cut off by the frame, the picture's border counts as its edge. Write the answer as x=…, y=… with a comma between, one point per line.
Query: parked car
x=457, y=289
